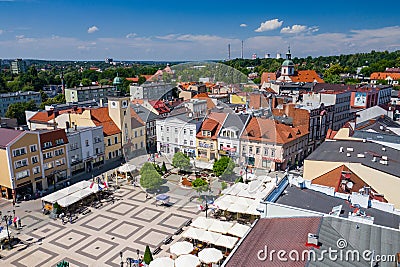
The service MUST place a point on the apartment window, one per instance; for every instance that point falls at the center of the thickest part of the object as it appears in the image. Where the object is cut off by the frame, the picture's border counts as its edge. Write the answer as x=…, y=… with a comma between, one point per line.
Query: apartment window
x=135, y=134
x=60, y=162
x=184, y=131
x=21, y=163
x=141, y=144
x=272, y=152
x=23, y=174
x=97, y=150
x=257, y=150
x=250, y=149
x=212, y=146
x=136, y=147
x=161, y=128
x=34, y=159
x=47, y=144
x=266, y=152
x=48, y=165
x=191, y=132
x=116, y=140
x=109, y=141
x=167, y=139
x=47, y=155
x=176, y=140
x=191, y=142
x=141, y=132
x=33, y=148
x=185, y=142
x=86, y=142
x=167, y=129
x=36, y=170
x=59, y=152
x=59, y=141
x=19, y=151
x=176, y=130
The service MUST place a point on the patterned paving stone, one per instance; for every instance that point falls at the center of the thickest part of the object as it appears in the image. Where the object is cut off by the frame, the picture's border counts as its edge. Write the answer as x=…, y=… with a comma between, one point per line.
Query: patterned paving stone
x=37, y=258
x=147, y=214
x=152, y=237
x=122, y=208
x=124, y=230
x=46, y=230
x=97, y=248
x=174, y=221
x=69, y=239
x=98, y=222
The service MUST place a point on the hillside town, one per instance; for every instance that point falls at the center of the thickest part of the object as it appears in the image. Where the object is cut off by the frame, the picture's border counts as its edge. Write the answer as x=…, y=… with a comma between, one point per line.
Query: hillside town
x=192, y=167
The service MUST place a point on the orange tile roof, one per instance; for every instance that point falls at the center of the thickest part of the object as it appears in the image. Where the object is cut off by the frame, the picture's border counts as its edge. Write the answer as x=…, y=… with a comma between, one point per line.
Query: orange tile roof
x=100, y=117
x=267, y=130
x=384, y=75
x=306, y=76
x=42, y=116
x=204, y=96
x=268, y=77
x=331, y=134
x=213, y=123
x=133, y=79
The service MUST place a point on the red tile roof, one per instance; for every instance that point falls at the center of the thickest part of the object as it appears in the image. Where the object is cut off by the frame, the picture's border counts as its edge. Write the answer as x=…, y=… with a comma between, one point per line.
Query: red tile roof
x=268, y=77
x=8, y=135
x=133, y=79
x=213, y=123
x=204, y=96
x=42, y=116
x=306, y=76
x=267, y=130
x=100, y=117
x=276, y=234
x=384, y=75
x=52, y=136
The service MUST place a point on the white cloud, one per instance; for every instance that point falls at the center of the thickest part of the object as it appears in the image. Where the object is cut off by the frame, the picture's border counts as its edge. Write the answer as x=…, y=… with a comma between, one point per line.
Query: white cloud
x=131, y=35
x=295, y=29
x=92, y=29
x=243, y=25
x=269, y=25
x=1, y=31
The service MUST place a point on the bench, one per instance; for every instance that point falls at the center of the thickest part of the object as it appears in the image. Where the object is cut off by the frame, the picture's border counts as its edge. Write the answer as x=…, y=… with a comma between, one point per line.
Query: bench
x=179, y=231
x=86, y=212
x=167, y=240
x=157, y=250
x=188, y=222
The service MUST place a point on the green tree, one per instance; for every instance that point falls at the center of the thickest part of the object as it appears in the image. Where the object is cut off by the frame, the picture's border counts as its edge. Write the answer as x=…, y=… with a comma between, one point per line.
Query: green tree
x=141, y=80
x=17, y=111
x=164, y=168
x=157, y=168
x=224, y=185
x=181, y=161
x=149, y=177
x=200, y=185
x=223, y=166
x=86, y=82
x=147, y=257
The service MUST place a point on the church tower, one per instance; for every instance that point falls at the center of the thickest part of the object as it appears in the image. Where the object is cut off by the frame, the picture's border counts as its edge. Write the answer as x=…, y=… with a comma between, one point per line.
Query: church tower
x=288, y=65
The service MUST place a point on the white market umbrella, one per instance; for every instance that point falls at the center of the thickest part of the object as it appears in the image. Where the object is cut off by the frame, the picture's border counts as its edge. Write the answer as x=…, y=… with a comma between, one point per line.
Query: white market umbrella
x=193, y=233
x=201, y=222
x=210, y=255
x=4, y=234
x=162, y=262
x=220, y=227
x=127, y=168
x=226, y=241
x=209, y=237
x=222, y=204
x=238, y=208
x=180, y=248
x=187, y=261
x=238, y=230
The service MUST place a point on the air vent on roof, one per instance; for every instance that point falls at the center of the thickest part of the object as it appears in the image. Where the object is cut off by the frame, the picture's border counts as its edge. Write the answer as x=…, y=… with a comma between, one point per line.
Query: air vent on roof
x=350, y=149
x=364, y=140
x=374, y=159
x=348, y=154
x=383, y=149
x=383, y=162
x=360, y=155
x=384, y=157
x=341, y=149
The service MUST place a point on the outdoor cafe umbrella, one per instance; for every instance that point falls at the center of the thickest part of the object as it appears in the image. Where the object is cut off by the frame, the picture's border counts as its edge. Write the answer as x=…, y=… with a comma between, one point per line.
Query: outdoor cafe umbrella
x=210, y=255
x=162, y=262
x=187, y=261
x=180, y=248
x=127, y=168
x=209, y=237
x=226, y=241
x=193, y=233
x=238, y=230
x=220, y=226
x=202, y=222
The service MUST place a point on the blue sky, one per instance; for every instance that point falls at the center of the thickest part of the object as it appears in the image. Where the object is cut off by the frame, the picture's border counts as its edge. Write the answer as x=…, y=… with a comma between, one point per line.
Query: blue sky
x=193, y=30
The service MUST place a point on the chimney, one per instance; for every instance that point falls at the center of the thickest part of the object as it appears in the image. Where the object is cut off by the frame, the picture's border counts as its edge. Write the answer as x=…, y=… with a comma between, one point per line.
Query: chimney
x=312, y=239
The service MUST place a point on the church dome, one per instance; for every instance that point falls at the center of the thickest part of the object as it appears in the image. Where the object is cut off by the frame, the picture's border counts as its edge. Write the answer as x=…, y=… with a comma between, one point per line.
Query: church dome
x=287, y=63
x=117, y=81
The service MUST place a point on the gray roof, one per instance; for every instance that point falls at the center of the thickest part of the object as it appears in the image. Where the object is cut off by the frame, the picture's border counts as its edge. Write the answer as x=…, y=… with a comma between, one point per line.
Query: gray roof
x=320, y=202
x=19, y=93
x=329, y=151
x=359, y=237
x=237, y=120
x=145, y=114
x=381, y=137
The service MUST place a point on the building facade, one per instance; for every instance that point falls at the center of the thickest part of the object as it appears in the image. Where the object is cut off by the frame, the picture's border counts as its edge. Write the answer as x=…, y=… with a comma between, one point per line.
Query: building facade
x=152, y=91
x=85, y=148
x=18, y=66
x=98, y=93
x=18, y=97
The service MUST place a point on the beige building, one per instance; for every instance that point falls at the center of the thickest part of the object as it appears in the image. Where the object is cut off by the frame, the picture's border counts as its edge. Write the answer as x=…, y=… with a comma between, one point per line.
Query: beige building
x=30, y=161
x=372, y=164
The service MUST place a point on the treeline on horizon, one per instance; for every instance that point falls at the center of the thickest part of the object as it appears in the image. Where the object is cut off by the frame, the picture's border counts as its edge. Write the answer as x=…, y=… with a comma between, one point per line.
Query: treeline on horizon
x=44, y=72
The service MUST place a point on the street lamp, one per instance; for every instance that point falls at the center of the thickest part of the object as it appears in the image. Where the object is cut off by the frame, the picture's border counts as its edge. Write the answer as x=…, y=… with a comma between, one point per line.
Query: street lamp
x=8, y=218
x=122, y=262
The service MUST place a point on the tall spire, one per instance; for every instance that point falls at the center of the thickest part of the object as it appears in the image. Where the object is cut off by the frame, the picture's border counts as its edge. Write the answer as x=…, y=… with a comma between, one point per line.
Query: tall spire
x=288, y=54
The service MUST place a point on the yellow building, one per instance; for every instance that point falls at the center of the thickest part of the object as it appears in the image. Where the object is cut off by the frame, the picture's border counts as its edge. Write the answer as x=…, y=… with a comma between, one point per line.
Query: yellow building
x=207, y=137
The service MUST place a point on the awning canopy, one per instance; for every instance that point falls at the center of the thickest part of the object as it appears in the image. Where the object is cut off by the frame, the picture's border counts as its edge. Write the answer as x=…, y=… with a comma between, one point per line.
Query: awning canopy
x=210, y=255
x=180, y=248
x=226, y=241
x=127, y=168
x=162, y=197
x=220, y=226
x=202, y=222
x=238, y=230
x=187, y=261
